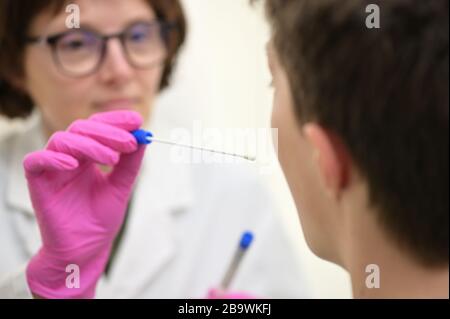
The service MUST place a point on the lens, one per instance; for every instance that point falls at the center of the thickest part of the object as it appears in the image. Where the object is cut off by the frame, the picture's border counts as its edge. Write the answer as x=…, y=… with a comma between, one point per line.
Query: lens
x=145, y=44
x=78, y=52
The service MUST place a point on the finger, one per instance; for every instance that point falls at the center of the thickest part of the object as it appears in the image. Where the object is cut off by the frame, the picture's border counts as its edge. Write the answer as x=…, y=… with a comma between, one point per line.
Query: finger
x=115, y=138
x=37, y=162
x=82, y=148
x=125, y=172
x=126, y=120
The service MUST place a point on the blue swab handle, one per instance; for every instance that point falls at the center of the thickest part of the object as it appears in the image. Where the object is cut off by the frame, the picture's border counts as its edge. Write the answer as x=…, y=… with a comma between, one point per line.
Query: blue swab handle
x=246, y=240
x=142, y=136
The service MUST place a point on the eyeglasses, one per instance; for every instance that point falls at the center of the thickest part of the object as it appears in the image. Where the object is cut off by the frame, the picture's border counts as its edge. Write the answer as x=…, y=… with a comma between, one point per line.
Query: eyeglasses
x=81, y=52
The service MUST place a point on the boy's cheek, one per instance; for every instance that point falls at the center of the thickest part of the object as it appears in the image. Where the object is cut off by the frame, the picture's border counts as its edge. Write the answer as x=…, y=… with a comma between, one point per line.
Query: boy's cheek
x=274, y=117
x=278, y=109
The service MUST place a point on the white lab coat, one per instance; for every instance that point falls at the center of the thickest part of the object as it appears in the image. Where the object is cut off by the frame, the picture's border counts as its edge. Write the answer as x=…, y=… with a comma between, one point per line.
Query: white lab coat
x=185, y=223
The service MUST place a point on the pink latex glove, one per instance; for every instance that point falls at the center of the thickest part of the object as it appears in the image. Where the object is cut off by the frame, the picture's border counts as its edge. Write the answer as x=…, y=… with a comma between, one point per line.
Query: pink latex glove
x=79, y=208
x=219, y=294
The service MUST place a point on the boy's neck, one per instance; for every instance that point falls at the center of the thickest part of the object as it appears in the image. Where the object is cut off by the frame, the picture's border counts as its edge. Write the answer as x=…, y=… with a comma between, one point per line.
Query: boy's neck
x=400, y=275
x=399, y=279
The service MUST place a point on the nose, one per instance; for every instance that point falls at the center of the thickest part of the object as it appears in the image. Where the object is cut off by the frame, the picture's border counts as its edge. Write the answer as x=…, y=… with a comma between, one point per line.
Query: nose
x=115, y=70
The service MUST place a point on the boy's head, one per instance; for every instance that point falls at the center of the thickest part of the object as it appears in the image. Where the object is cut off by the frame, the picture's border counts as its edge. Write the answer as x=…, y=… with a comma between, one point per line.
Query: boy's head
x=363, y=119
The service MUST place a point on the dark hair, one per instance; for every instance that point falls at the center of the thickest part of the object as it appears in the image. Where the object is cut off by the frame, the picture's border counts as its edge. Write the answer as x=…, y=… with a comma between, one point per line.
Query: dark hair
x=15, y=19
x=384, y=92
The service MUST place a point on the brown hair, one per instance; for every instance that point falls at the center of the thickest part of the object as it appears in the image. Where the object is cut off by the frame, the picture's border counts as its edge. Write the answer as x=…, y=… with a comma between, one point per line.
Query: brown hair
x=384, y=92
x=15, y=20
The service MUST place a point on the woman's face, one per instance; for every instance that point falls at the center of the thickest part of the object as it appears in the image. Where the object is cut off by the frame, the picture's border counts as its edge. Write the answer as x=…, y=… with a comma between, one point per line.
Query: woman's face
x=115, y=85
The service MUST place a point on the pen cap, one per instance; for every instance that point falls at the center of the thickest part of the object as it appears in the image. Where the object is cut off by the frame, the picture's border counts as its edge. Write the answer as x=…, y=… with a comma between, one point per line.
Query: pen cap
x=246, y=240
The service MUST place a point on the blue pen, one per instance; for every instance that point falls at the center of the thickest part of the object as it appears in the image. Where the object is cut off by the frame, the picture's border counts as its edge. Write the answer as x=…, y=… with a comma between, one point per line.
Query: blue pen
x=146, y=137
x=244, y=244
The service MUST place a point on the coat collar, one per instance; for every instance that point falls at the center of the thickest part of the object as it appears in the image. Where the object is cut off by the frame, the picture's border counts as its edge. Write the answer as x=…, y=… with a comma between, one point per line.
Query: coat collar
x=29, y=139
x=164, y=192
x=149, y=245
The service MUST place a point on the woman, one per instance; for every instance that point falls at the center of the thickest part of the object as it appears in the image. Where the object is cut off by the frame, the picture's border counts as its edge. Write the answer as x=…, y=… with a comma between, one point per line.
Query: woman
x=174, y=233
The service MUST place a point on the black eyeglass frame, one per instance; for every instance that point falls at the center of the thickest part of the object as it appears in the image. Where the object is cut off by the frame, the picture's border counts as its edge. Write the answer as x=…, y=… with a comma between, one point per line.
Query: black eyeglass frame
x=52, y=40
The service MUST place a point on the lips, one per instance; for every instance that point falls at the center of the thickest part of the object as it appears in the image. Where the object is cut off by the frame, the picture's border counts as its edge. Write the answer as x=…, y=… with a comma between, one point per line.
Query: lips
x=116, y=104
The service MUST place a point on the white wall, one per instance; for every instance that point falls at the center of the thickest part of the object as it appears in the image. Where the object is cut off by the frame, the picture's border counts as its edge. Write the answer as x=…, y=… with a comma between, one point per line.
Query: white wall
x=223, y=80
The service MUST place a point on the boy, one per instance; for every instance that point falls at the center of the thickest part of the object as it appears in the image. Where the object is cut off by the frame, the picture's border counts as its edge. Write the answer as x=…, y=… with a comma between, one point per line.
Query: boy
x=363, y=118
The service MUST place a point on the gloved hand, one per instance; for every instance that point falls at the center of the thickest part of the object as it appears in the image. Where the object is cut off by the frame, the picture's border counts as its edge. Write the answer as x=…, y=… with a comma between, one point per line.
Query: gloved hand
x=219, y=294
x=79, y=208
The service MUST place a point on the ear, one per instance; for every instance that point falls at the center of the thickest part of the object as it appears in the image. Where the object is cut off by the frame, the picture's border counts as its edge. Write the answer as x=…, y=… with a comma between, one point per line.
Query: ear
x=330, y=156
